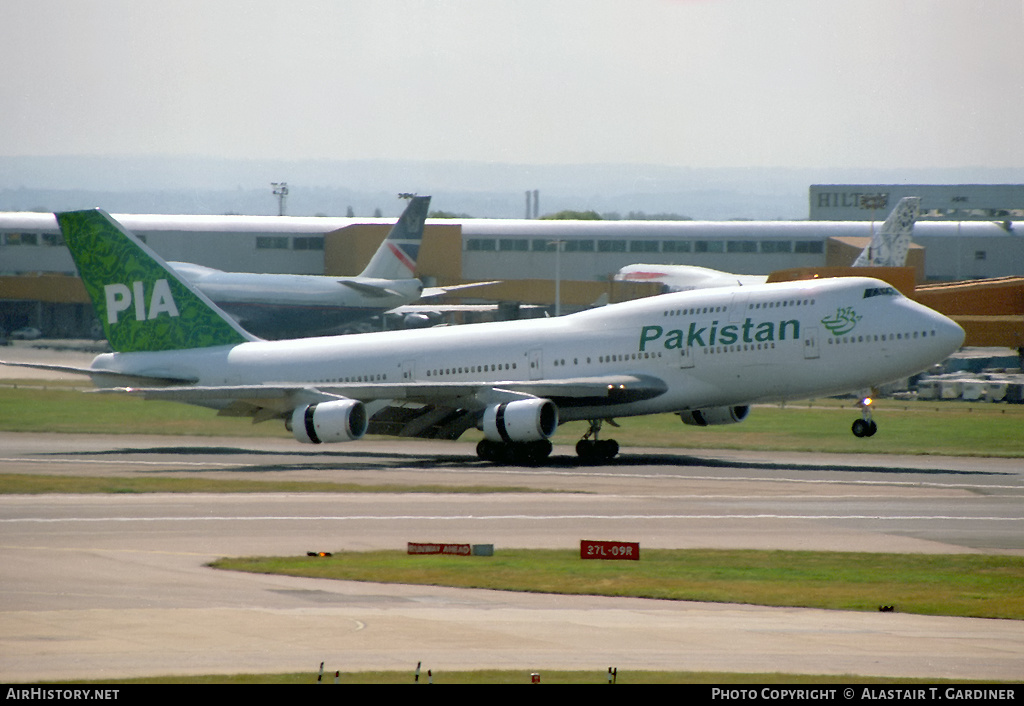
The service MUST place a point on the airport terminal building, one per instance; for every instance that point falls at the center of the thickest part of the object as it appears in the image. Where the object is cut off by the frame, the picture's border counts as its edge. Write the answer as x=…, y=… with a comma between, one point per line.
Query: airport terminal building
x=38, y=286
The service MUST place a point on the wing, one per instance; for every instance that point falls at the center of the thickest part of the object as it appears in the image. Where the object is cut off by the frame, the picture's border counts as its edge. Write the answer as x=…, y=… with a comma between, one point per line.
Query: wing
x=425, y=410
x=100, y=376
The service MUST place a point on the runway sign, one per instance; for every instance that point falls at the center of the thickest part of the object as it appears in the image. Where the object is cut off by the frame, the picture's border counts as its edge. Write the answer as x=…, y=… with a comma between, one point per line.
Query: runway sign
x=621, y=551
x=454, y=549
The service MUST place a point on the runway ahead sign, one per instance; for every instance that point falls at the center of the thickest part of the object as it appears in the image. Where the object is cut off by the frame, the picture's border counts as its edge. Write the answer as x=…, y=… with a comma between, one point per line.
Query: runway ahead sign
x=451, y=549
x=621, y=551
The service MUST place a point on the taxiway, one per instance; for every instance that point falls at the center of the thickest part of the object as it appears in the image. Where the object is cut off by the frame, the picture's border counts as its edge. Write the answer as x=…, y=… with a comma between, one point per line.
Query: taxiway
x=112, y=586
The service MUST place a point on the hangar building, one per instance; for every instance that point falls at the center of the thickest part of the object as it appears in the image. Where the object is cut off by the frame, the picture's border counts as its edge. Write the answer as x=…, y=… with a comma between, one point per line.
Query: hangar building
x=38, y=286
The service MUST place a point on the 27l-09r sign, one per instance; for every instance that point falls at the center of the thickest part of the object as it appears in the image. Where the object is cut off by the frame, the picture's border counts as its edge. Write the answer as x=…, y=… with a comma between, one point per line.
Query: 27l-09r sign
x=628, y=551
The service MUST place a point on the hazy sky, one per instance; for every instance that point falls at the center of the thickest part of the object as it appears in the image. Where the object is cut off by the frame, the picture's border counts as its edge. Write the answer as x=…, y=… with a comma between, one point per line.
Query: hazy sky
x=701, y=83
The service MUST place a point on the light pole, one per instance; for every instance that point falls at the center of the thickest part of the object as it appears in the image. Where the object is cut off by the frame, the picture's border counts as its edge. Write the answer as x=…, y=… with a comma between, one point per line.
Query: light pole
x=281, y=192
x=558, y=275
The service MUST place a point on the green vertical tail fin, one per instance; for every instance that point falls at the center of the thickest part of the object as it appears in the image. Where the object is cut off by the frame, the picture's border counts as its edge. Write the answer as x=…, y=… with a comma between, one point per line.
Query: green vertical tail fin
x=142, y=304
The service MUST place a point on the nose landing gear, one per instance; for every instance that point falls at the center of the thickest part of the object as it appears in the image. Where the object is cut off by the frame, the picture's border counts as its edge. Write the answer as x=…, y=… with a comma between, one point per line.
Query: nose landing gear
x=865, y=426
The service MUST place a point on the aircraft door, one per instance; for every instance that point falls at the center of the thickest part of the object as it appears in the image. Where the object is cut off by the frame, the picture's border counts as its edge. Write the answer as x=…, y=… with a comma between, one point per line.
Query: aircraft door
x=536, y=360
x=738, y=307
x=409, y=371
x=811, y=343
x=687, y=357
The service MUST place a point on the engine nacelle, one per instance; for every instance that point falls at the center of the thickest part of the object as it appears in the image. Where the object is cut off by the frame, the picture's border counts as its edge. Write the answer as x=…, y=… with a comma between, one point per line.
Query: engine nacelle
x=336, y=420
x=714, y=416
x=416, y=321
x=522, y=420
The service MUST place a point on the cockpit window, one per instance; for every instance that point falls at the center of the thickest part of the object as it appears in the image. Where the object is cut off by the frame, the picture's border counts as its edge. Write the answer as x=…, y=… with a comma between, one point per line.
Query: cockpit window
x=880, y=292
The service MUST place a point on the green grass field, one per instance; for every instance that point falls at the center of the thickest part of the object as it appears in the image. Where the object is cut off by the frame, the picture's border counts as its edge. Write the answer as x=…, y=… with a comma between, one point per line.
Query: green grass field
x=28, y=484
x=943, y=428
x=969, y=585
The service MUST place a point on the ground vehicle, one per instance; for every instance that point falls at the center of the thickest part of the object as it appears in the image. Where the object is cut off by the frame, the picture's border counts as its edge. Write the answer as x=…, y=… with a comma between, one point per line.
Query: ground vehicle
x=26, y=333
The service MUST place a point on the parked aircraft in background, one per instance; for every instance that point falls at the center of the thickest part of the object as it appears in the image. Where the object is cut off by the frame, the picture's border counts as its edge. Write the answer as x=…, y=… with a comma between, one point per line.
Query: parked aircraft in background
x=683, y=278
x=888, y=248
x=706, y=355
x=279, y=306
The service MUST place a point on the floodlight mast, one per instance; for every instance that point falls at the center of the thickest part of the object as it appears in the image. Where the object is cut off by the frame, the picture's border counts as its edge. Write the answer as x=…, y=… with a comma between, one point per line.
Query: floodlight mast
x=558, y=274
x=281, y=192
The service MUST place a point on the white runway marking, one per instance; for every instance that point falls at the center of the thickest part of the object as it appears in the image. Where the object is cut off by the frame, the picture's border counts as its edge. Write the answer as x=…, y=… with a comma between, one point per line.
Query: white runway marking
x=490, y=518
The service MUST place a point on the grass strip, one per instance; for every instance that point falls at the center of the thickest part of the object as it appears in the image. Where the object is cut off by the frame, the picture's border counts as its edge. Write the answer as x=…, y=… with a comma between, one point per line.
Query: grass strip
x=26, y=484
x=966, y=585
x=912, y=427
x=522, y=676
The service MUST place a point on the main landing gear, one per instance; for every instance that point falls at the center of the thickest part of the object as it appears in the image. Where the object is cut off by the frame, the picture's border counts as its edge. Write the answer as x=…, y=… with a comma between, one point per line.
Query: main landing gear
x=593, y=450
x=865, y=426
x=533, y=453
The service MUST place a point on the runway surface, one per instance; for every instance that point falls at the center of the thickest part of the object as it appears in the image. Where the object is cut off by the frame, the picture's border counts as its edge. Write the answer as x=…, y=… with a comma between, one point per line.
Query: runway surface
x=116, y=585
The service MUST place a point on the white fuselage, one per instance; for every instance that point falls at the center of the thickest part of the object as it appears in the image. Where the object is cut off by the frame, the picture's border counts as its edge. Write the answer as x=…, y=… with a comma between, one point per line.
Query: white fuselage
x=713, y=347
x=684, y=278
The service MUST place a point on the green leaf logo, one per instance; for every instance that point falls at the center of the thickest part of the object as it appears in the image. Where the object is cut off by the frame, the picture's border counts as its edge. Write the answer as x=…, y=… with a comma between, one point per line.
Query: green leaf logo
x=844, y=321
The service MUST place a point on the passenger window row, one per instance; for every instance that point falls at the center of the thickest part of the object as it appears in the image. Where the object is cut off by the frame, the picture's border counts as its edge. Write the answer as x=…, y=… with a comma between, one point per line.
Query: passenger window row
x=470, y=369
x=379, y=377
x=782, y=304
x=696, y=311
x=740, y=348
x=875, y=338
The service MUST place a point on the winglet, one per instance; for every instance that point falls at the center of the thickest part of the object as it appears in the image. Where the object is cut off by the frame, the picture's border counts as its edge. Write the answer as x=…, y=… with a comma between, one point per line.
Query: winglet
x=396, y=256
x=889, y=246
x=142, y=303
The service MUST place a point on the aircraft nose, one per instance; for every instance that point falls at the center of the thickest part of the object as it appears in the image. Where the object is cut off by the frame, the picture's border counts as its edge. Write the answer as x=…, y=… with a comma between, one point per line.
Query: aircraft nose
x=948, y=333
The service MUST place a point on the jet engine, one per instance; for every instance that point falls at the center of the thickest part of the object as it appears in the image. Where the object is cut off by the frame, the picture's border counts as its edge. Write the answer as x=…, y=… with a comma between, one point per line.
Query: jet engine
x=714, y=416
x=336, y=420
x=416, y=320
x=522, y=420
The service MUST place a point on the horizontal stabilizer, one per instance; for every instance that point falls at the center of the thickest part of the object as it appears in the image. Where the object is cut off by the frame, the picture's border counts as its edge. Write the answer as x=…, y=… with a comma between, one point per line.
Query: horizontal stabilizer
x=370, y=290
x=441, y=291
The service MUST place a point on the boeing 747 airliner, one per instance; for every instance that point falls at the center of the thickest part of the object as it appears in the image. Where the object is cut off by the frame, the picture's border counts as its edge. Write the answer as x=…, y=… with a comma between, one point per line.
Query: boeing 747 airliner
x=706, y=355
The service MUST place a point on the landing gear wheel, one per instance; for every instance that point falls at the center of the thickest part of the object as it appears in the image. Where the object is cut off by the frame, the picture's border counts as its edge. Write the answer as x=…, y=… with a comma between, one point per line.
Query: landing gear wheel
x=531, y=453
x=594, y=451
x=597, y=451
x=584, y=449
x=485, y=450
x=864, y=427
x=494, y=451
